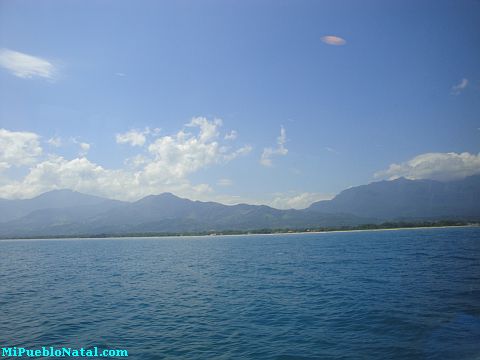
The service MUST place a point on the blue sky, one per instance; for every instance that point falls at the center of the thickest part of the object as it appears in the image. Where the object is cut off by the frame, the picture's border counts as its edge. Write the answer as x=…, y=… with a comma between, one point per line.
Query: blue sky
x=236, y=100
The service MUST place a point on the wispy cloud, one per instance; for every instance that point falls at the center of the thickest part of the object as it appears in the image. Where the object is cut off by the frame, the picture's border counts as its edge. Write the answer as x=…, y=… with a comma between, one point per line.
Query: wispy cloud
x=333, y=40
x=84, y=147
x=224, y=182
x=55, y=141
x=331, y=150
x=26, y=66
x=281, y=150
x=436, y=166
x=458, y=88
x=232, y=135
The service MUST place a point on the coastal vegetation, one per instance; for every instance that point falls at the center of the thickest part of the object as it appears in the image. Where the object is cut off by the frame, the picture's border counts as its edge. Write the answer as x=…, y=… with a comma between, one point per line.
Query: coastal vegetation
x=364, y=227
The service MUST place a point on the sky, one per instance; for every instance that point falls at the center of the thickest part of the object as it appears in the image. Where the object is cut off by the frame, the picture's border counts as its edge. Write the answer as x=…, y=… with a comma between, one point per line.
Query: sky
x=267, y=102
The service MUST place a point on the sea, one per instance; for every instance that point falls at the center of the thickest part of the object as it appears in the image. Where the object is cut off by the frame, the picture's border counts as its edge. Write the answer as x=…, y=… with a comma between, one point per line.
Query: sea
x=403, y=294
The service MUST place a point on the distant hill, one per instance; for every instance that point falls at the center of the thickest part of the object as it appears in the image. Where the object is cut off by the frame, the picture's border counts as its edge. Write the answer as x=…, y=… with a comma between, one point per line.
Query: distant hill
x=69, y=213
x=163, y=213
x=55, y=199
x=404, y=199
x=167, y=212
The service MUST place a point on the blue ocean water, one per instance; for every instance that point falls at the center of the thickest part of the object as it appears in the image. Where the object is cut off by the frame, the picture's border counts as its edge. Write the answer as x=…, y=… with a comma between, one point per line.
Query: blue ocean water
x=407, y=294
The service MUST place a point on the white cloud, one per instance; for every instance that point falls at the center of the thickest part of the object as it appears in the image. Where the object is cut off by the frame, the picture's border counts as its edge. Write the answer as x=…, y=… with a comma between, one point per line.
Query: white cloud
x=132, y=137
x=458, y=88
x=136, y=161
x=232, y=135
x=288, y=200
x=208, y=129
x=281, y=150
x=55, y=141
x=18, y=148
x=84, y=148
x=224, y=182
x=154, y=131
x=244, y=150
x=436, y=166
x=297, y=200
x=331, y=150
x=77, y=174
x=80, y=174
x=26, y=66
x=164, y=167
x=183, y=153
x=333, y=40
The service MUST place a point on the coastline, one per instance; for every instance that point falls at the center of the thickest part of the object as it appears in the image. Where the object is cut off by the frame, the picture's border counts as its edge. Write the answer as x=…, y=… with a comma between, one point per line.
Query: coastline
x=252, y=233
x=371, y=230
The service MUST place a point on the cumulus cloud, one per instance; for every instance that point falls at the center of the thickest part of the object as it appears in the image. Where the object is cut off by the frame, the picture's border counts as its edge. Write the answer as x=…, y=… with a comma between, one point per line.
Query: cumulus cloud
x=185, y=152
x=458, y=88
x=164, y=166
x=82, y=175
x=297, y=200
x=136, y=161
x=56, y=173
x=132, y=137
x=78, y=174
x=280, y=150
x=208, y=129
x=18, y=148
x=137, y=137
x=333, y=40
x=26, y=66
x=436, y=166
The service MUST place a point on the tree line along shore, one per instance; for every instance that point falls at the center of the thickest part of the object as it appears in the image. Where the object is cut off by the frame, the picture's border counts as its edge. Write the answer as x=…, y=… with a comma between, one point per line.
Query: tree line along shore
x=383, y=226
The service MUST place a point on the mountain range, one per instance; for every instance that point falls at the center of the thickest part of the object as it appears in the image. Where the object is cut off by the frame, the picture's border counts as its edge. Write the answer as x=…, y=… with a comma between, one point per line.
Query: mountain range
x=70, y=213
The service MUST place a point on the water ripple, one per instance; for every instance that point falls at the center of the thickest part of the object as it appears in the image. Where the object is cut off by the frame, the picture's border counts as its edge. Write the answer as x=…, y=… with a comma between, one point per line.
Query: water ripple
x=412, y=294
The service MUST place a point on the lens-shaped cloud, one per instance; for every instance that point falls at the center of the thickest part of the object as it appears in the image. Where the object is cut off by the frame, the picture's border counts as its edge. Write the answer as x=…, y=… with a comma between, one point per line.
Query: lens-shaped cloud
x=26, y=66
x=333, y=40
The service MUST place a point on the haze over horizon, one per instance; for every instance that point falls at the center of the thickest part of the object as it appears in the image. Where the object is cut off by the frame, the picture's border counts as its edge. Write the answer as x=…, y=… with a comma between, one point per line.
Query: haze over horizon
x=256, y=102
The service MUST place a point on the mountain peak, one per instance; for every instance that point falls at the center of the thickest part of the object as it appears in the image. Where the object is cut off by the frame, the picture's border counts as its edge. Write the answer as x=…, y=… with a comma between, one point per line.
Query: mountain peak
x=168, y=195
x=408, y=199
x=401, y=179
x=57, y=192
x=67, y=195
x=160, y=198
x=54, y=199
